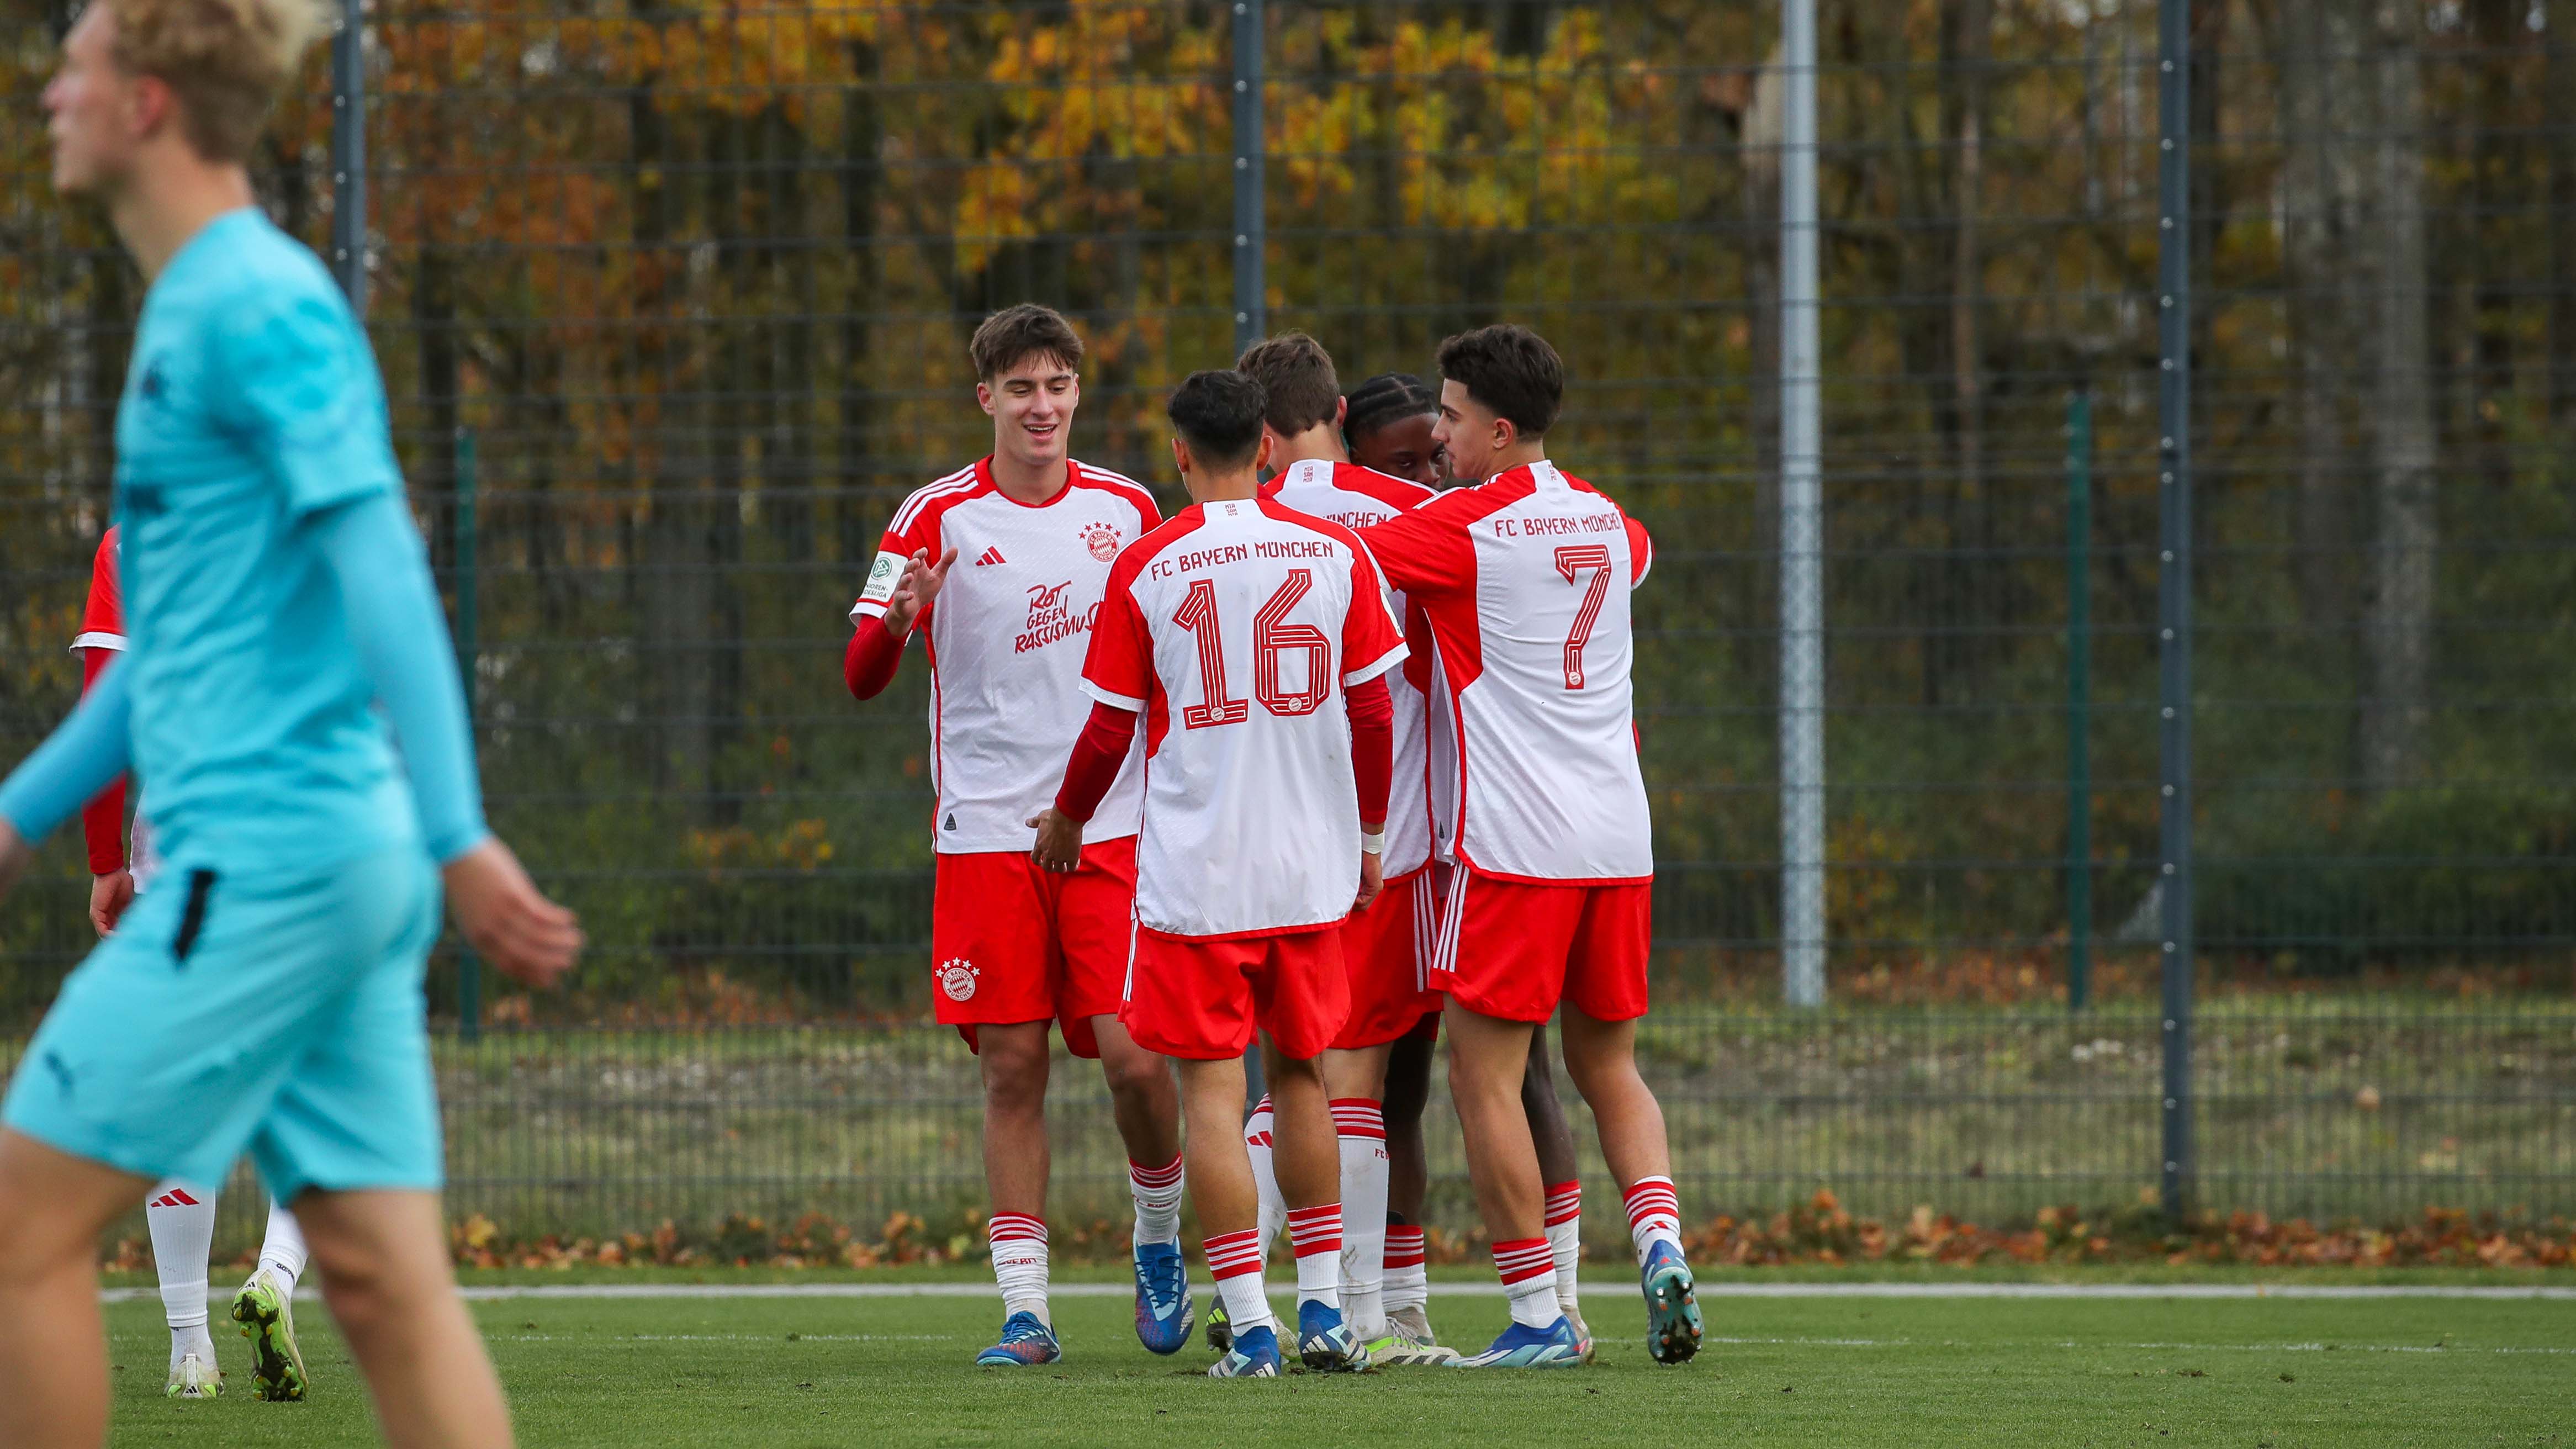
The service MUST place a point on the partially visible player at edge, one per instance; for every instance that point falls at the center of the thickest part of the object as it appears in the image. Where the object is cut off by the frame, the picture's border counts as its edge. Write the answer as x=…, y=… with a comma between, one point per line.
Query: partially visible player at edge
x=1387, y=947
x=1525, y=579
x=1253, y=641
x=180, y=1215
x=1000, y=567
x=268, y=995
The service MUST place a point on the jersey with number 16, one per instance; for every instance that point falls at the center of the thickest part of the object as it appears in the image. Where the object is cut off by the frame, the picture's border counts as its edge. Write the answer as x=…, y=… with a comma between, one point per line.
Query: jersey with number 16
x=1234, y=629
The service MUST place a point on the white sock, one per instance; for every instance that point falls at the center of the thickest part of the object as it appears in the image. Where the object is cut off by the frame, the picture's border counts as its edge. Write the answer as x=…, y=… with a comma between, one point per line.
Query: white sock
x=1265, y=1177
x=1408, y=1283
x=282, y=1252
x=1362, y=1128
x=1020, y=1263
x=1529, y=1280
x=1654, y=1214
x=1565, y=1239
x=1234, y=1260
x=1158, y=1201
x=181, y=1219
x=1316, y=1234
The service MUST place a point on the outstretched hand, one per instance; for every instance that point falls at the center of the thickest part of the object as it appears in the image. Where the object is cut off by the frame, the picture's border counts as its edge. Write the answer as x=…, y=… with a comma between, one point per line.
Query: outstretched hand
x=531, y=939
x=913, y=592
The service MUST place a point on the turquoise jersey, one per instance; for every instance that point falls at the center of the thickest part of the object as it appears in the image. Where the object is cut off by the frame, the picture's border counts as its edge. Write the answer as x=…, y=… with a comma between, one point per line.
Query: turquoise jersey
x=252, y=403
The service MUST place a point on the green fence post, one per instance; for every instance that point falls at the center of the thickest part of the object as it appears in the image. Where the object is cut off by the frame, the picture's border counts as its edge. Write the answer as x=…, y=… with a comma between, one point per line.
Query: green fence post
x=469, y=967
x=2079, y=702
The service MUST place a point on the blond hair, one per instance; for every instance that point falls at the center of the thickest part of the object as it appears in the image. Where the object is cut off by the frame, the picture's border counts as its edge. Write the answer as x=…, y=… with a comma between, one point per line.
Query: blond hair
x=225, y=60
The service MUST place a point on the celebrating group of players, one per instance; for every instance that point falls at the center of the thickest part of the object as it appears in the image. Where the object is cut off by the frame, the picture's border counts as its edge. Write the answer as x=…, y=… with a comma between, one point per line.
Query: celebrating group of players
x=1330, y=758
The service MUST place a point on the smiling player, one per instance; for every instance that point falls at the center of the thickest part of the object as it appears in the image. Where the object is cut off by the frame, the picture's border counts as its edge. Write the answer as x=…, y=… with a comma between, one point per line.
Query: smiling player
x=1000, y=567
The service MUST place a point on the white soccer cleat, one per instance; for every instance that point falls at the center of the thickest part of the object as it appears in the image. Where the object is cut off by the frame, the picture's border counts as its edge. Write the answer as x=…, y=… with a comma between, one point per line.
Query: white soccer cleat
x=194, y=1378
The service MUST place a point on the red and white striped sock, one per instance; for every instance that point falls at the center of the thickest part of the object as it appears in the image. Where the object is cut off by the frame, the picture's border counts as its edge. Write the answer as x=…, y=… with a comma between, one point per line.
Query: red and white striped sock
x=1158, y=1200
x=1565, y=1238
x=1361, y=1126
x=1528, y=1270
x=1020, y=1263
x=1234, y=1261
x=1408, y=1283
x=1654, y=1212
x=1316, y=1235
x=1265, y=1176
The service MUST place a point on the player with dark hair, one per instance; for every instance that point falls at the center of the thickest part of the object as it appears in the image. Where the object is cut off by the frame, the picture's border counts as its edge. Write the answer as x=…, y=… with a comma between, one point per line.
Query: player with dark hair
x=1000, y=567
x=1251, y=640
x=1524, y=577
x=1383, y=1054
x=283, y=632
x=1387, y=423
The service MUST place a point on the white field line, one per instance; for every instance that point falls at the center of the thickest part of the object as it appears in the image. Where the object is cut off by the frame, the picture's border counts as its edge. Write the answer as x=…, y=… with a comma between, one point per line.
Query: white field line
x=481, y=1293
x=1984, y=1344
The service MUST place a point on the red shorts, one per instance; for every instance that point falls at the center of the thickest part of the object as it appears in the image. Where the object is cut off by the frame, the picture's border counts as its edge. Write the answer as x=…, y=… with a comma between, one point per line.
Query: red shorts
x=1011, y=943
x=1386, y=949
x=1200, y=1000
x=1513, y=950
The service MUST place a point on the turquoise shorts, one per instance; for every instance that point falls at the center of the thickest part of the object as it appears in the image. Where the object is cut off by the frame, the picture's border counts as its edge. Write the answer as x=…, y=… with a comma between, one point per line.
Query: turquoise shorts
x=242, y=1011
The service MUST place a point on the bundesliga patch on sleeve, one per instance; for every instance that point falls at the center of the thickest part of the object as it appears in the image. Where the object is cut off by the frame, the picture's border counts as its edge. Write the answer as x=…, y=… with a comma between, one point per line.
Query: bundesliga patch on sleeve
x=882, y=577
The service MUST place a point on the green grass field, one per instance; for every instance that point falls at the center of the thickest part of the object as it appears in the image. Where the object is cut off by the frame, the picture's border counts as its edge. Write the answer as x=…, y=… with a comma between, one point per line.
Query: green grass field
x=876, y=1372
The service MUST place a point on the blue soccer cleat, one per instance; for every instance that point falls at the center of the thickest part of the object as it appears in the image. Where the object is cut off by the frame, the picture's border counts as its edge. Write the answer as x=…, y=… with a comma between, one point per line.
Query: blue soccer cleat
x=1522, y=1346
x=1255, y=1355
x=1672, y=1305
x=1325, y=1342
x=1026, y=1343
x=1164, y=1313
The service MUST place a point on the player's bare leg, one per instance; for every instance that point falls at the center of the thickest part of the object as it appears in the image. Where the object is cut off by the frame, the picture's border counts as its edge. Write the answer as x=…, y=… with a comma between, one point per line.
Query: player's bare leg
x=1014, y=1059
x=1488, y=1060
x=1601, y=1057
x=1142, y=1098
x=53, y=1347
x=1562, y=1173
x=1229, y=1208
x=385, y=1274
x=1147, y=1108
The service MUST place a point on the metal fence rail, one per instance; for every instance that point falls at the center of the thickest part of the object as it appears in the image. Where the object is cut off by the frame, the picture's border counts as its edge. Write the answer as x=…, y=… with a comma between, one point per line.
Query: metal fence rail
x=671, y=300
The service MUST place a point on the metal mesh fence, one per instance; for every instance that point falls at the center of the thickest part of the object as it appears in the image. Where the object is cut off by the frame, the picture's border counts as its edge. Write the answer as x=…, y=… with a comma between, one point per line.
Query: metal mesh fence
x=677, y=295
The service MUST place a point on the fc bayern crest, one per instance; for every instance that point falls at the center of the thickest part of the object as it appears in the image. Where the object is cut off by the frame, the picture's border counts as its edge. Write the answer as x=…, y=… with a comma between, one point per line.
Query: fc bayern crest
x=957, y=978
x=1103, y=539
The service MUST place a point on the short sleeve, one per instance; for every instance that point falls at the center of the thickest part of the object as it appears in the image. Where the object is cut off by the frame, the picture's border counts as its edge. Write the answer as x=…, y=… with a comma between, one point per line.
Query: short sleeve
x=1372, y=640
x=295, y=374
x=1119, y=670
x=1641, y=551
x=1422, y=552
x=901, y=542
x=103, y=618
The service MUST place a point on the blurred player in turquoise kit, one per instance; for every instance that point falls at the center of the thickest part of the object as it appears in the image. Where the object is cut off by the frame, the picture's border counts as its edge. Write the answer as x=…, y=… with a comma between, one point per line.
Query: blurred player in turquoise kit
x=283, y=633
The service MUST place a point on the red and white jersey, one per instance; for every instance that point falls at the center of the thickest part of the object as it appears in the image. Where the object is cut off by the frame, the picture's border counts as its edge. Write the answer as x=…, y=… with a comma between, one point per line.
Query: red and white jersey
x=1357, y=498
x=1006, y=637
x=1234, y=630
x=103, y=627
x=103, y=618
x=1524, y=579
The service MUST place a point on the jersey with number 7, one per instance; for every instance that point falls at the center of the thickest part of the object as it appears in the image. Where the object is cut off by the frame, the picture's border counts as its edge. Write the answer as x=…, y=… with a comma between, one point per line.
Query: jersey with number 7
x=1524, y=579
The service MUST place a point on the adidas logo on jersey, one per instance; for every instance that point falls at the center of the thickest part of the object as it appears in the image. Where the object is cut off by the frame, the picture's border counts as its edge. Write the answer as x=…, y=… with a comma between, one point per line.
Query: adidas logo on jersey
x=175, y=1197
x=990, y=555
